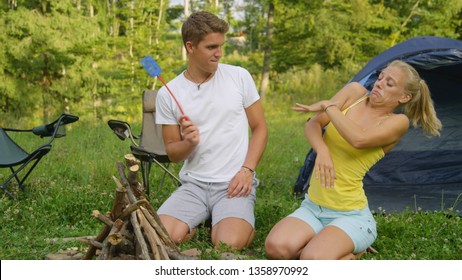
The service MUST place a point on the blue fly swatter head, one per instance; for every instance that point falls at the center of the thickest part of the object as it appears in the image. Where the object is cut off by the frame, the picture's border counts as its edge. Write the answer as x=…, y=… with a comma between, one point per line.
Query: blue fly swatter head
x=151, y=66
x=154, y=70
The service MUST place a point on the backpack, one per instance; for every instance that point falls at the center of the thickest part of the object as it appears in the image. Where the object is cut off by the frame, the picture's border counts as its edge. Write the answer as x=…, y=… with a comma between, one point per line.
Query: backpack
x=303, y=180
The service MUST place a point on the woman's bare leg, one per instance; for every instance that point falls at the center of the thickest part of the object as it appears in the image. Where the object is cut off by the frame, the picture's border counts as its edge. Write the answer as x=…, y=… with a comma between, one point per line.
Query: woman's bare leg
x=287, y=238
x=331, y=243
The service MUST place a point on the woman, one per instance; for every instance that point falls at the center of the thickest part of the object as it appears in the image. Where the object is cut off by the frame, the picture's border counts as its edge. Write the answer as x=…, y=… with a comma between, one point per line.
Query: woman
x=334, y=220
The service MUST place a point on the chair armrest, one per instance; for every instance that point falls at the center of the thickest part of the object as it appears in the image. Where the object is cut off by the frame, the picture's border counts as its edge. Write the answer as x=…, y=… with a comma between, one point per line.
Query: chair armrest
x=51, y=129
x=16, y=130
x=123, y=131
x=55, y=129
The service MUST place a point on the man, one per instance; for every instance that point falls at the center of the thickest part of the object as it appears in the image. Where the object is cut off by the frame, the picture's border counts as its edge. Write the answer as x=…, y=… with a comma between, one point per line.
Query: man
x=220, y=103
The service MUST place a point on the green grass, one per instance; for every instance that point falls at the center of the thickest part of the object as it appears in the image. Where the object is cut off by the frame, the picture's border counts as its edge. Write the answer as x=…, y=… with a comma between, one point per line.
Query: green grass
x=75, y=178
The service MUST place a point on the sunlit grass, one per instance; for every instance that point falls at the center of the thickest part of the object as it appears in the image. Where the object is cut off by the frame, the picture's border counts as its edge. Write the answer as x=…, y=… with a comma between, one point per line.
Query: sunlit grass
x=75, y=178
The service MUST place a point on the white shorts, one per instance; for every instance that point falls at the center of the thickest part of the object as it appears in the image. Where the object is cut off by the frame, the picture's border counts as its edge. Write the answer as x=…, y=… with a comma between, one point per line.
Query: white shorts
x=195, y=202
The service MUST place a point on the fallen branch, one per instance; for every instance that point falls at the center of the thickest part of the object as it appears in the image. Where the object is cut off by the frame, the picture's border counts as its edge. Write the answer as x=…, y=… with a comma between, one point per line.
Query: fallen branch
x=139, y=236
x=105, y=219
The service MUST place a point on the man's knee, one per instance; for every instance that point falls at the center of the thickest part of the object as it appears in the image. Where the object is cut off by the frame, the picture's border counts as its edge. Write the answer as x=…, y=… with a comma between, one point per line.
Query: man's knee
x=236, y=241
x=181, y=237
x=176, y=229
x=233, y=232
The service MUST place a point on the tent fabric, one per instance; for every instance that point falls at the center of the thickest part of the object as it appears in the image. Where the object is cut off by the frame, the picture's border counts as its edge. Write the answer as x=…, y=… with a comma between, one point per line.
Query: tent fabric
x=421, y=173
x=426, y=52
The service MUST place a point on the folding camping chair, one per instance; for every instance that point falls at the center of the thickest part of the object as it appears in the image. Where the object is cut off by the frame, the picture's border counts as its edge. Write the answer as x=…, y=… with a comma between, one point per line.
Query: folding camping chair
x=13, y=155
x=150, y=148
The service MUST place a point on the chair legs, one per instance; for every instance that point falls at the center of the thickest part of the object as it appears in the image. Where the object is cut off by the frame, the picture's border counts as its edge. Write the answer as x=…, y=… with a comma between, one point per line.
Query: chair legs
x=3, y=187
x=21, y=182
x=165, y=168
x=146, y=170
x=15, y=175
x=163, y=175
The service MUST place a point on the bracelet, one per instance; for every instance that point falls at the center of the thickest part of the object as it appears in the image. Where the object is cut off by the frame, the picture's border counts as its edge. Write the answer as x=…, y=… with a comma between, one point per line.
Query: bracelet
x=249, y=169
x=325, y=109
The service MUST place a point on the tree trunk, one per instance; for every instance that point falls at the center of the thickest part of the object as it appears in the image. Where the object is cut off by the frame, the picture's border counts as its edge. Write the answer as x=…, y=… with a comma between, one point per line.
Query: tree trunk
x=46, y=84
x=184, y=55
x=115, y=22
x=159, y=20
x=91, y=9
x=132, y=40
x=267, y=56
x=406, y=21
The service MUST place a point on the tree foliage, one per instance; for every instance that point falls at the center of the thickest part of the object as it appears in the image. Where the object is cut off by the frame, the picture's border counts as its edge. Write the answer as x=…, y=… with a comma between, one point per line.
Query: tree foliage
x=39, y=49
x=83, y=56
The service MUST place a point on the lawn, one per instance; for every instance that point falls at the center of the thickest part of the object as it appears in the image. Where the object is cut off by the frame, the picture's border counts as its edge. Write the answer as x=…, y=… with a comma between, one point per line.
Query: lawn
x=75, y=178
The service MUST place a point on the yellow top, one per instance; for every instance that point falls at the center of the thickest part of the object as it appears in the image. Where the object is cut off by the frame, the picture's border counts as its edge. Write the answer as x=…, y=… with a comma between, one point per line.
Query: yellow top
x=350, y=165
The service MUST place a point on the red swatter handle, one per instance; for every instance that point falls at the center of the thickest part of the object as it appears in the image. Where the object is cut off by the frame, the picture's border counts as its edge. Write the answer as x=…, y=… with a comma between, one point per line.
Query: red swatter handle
x=171, y=94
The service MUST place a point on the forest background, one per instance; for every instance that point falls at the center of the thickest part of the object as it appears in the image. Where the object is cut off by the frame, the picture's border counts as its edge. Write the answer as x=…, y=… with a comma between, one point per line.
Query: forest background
x=82, y=57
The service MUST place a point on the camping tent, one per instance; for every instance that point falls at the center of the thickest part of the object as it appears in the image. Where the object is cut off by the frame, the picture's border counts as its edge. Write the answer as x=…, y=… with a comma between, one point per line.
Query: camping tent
x=420, y=173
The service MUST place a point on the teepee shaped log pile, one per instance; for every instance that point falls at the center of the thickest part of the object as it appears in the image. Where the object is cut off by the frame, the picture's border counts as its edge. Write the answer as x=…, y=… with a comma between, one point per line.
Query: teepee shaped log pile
x=132, y=229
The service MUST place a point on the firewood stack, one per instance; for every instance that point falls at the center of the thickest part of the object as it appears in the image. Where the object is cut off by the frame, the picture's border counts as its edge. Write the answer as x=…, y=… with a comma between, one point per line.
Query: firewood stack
x=132, y=229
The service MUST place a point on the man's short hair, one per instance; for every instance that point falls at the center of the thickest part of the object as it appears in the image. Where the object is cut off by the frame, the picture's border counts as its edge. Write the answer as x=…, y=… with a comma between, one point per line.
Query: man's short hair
x=199, y=24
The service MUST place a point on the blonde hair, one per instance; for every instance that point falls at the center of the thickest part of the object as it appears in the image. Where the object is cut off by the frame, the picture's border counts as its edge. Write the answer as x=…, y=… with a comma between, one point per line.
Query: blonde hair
x=420, y=109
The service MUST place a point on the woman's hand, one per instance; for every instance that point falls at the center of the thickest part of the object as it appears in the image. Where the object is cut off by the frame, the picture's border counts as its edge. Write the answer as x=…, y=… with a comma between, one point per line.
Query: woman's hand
x=315, y=107
x=324, y=170
x=324, y=166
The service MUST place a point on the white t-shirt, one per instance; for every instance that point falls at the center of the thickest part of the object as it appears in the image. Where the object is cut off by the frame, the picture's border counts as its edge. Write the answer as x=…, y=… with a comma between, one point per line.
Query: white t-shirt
x=218, y=109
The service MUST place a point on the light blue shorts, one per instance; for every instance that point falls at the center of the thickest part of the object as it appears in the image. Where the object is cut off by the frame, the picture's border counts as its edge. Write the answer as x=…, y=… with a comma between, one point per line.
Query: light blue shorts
x=359, y=225
x=195, y=201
